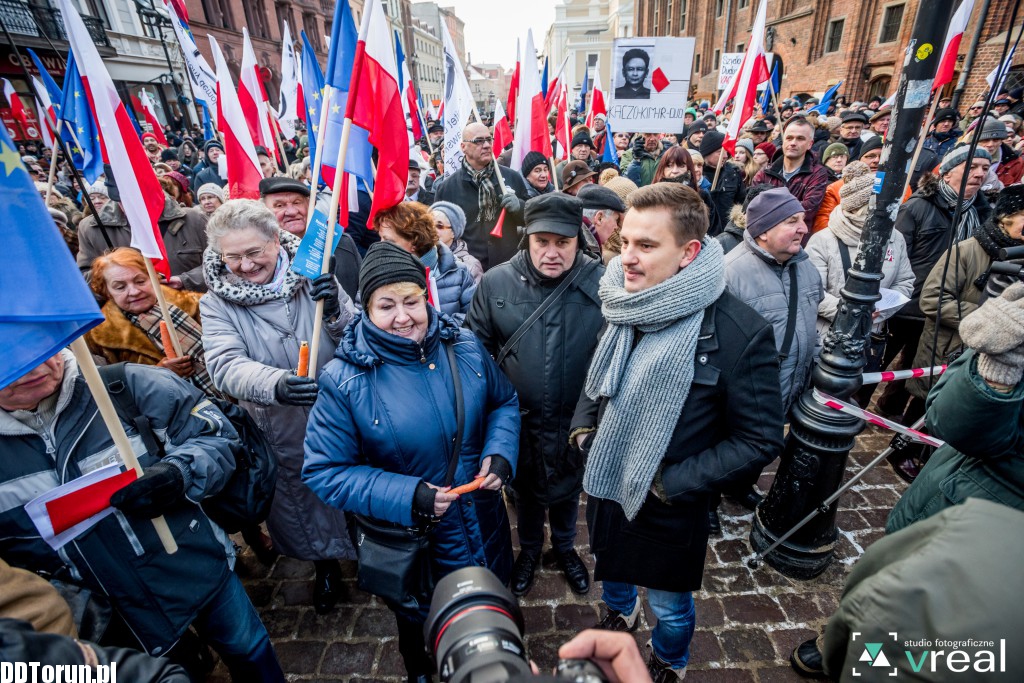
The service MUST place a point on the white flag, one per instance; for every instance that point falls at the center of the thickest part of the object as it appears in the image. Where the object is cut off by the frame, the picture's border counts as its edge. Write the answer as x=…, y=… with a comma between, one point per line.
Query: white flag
x=287, y=110
x=998, y=75
x=203, y=78
x=458, y=105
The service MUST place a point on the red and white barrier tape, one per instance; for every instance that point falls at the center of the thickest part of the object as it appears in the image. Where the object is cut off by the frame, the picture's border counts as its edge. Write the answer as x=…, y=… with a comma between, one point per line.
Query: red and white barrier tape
x=876, y=377
x=877, y=420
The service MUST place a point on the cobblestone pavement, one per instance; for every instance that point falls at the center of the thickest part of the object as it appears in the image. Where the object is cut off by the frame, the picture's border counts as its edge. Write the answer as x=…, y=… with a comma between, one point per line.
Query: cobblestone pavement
x=748, y=620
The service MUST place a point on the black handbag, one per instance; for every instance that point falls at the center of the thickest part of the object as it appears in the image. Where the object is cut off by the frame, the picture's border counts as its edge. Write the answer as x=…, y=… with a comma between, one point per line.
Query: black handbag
x=394, y=560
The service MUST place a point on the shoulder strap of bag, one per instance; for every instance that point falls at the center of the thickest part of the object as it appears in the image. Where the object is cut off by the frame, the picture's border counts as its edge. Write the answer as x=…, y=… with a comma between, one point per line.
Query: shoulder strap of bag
x=528, y=323
x=460, y=414
x=844, y=254
x=787, y=341
x=127, y=409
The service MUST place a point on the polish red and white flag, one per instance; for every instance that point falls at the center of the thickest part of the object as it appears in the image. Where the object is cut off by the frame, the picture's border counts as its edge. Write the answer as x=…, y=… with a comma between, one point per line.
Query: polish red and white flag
x=951, y=46
x=252, y=98
x=142, y=198
x=149, y=112
x=243, y=168
x=502, y=129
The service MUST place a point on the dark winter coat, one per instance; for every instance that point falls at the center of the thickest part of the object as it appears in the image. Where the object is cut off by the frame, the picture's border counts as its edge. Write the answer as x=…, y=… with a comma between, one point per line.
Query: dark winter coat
x=383, y=423
x=808, y=185
x=729, y=191
x=157, y=594
x=490, y=251
x=547, y=366
x=455, y=284
x=732, y=236
x=941, y=143
x=209, y=174
x=984, y=452
x=183, y=230
x=925, y=222
x=729, y=428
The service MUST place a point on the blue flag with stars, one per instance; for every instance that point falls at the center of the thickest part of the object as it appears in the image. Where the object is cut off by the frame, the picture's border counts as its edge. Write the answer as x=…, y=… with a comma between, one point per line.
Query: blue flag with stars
x=312, y=93
x=44, y=301
x=56, y=99
x=78, y=118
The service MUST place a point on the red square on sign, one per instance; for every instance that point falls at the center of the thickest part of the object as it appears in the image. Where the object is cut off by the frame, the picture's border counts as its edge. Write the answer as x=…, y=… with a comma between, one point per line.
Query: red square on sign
x=659, y=80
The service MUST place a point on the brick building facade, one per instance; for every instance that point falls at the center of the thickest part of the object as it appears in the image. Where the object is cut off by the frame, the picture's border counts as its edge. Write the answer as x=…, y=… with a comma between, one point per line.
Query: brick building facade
x=821, y=42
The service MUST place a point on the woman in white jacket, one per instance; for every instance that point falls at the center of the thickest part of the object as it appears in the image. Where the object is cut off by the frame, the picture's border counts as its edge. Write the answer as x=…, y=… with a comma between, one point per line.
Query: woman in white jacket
x=826, y=251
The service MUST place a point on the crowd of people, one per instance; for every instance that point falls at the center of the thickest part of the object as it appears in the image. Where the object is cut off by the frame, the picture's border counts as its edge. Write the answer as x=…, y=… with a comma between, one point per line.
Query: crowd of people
x=636, y=330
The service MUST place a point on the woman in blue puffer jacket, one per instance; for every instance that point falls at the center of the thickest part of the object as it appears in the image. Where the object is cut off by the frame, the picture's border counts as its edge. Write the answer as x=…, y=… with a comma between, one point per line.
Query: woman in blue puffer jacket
x=378, y=435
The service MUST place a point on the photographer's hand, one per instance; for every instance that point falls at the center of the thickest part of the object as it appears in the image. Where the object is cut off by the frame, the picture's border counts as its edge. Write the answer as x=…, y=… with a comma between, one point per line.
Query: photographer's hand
x=615, y=652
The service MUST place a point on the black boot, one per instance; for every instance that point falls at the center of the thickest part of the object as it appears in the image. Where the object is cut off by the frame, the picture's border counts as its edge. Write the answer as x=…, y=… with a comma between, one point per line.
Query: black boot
x=575, y=571
x=749, y=498
x=260, y=544
x=714, y=523
x=327, y=587
x=806, y=660
x=524, y=572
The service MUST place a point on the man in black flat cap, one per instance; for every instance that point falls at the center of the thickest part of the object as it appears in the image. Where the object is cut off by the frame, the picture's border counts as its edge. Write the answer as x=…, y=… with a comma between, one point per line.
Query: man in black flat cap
x=289, y=200
x=546, y=357
x=602, y=213
x=850, y=129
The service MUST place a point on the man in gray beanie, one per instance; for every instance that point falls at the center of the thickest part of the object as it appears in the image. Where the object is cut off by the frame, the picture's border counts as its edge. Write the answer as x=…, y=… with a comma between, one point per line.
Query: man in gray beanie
x=926, y=221
x=770, y=272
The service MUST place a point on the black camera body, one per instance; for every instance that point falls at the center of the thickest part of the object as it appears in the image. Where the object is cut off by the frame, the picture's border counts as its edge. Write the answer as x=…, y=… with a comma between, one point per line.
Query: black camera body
x=474, y=631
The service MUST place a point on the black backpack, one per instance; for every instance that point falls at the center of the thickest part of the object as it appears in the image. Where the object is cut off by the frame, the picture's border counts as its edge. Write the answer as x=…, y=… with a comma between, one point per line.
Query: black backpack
x=246, y=497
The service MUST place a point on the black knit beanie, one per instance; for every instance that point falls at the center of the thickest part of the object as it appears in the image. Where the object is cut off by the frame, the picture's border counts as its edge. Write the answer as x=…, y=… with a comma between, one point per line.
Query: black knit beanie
x=531, y=161
x=387, y=264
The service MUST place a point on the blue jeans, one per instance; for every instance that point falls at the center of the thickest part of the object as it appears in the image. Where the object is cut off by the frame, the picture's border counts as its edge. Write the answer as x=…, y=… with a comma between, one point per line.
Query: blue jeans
x=676, y=618
x=230, y=624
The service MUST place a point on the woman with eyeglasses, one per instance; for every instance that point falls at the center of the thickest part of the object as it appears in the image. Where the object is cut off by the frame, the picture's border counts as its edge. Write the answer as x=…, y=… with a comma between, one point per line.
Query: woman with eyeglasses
x=450, y=221
x=255, y=315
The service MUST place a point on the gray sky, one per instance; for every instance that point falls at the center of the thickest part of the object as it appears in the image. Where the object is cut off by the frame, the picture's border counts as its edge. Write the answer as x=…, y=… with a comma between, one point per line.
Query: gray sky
x=492, y=27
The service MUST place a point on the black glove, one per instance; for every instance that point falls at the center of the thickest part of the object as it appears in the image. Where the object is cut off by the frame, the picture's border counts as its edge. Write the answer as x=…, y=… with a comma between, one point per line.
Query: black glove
x=293, y=390
x=326, y=287
x=511, y=203
x=500, y=467
x=160, y=486
x=638, y=146
x=423, y=501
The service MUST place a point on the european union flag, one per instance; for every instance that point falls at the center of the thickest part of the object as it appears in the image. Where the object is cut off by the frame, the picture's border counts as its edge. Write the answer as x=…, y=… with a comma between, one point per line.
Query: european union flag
x=312, y=93
x=772, y=88
x=44, y=302
x=544, y=81
x=610, y=153
x=56, y=98
x=826, y=99
x=78, y=118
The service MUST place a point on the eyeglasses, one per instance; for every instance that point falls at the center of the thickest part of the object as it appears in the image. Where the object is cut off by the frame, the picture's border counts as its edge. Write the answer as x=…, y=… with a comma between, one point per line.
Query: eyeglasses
x=481, y=141
x=441, y=226
x=251, y=255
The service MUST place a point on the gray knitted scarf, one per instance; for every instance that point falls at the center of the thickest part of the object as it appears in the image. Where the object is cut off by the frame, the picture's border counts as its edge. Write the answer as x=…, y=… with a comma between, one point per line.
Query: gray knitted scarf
x=487, y=191
x=968, y=216
x=646, y=387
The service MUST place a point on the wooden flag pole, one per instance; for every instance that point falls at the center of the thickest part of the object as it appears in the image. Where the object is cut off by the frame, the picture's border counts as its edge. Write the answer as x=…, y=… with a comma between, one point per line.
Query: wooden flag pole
x=53, y=166
x=318, y=159
x=332, y=221
x=554, y=179
x=164, y=311
x=718, y=169
x=920, y=142
x=124, y=448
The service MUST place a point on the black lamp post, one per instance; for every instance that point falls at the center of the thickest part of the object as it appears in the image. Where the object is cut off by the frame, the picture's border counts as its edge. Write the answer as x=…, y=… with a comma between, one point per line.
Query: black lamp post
x=820, y=438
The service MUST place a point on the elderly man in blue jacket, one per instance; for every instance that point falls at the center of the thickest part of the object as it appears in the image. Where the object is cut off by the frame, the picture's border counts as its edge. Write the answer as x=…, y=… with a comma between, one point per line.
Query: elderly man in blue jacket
x=51, y=434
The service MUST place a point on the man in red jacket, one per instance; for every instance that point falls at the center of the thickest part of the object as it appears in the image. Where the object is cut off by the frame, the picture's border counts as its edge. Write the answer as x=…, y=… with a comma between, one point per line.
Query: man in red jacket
x=797, y=169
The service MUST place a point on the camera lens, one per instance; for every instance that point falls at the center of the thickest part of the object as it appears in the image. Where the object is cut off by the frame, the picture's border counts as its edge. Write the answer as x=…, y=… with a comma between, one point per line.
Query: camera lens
x=475, y=629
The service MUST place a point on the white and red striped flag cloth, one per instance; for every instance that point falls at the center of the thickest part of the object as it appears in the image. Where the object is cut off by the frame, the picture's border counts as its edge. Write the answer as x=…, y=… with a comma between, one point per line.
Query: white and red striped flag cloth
x=531, y=131
x=47, y=113
x=375, y=104
x=513, y=88
x=502, y=130
x=597, y=99
x=149, y=112
x=17, y=108
x=142, y=198
x=244, y=172
x=252, y=99
x=951, y=46
x=743, y=87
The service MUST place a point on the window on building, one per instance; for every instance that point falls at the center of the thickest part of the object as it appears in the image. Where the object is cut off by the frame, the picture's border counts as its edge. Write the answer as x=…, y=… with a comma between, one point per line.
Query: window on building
x=891, y=22
x=696, y=64
x=719, y=6
x=668, y=13
x=309, y=25
x=835, y=35
x=682, y=17
x=654, y=30
x=879, y=87
x=744, y=3
x=256, y=18
x=718, y=55
x=740, y=47
x=96, y=8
